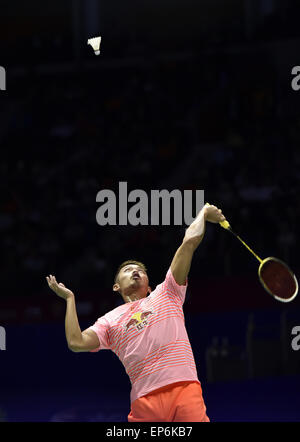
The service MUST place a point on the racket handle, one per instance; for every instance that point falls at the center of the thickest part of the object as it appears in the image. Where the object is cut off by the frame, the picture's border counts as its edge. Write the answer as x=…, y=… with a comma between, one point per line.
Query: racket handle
x=225, y=224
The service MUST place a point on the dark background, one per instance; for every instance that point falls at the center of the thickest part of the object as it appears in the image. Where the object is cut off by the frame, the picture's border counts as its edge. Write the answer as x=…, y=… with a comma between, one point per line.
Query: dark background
x=185, y=95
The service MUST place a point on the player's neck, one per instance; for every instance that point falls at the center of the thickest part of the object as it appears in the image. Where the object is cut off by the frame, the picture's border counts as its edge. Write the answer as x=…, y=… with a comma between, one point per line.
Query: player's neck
x=133, y=297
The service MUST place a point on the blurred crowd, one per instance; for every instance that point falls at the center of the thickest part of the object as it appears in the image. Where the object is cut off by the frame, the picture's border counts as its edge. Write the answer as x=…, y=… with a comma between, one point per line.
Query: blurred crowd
x=210, y=123
x=145, y=29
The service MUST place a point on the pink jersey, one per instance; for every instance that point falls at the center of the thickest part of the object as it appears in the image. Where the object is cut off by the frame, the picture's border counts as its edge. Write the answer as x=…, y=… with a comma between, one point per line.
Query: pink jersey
x=150, y=338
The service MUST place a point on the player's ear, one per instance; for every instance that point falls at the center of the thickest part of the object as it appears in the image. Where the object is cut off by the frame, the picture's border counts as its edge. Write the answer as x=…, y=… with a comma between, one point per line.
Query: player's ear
x=116, y=287
x=149, y=289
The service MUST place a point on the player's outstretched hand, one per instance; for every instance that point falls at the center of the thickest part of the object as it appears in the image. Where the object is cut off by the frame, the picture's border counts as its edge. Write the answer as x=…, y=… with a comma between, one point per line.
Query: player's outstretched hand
x=58, y=288
x=213, y=214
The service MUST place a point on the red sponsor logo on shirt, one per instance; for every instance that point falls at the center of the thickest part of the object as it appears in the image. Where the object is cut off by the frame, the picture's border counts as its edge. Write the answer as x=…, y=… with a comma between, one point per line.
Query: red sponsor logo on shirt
x=138, y=320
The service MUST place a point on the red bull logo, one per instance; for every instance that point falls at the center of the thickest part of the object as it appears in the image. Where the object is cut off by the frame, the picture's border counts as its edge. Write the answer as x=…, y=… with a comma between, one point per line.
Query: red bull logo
x=138, y=320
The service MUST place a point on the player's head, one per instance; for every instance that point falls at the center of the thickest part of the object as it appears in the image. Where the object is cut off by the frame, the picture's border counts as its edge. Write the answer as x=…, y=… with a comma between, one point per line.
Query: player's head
x=131, y=277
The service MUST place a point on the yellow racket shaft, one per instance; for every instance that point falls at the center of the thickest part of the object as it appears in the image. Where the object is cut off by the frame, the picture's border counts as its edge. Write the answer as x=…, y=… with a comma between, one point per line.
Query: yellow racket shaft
x=225, y=224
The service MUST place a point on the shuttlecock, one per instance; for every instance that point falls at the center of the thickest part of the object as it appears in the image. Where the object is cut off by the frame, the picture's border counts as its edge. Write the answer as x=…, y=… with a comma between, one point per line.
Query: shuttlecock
x=95, y=43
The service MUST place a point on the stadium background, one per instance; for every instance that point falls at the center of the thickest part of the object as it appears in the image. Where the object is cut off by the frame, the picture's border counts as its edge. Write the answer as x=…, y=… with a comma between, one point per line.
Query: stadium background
x=185, y=95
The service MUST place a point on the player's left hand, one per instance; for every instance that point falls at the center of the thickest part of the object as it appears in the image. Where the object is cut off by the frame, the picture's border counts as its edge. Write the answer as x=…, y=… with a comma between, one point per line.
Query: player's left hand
x=213, y=214
x=59, y=288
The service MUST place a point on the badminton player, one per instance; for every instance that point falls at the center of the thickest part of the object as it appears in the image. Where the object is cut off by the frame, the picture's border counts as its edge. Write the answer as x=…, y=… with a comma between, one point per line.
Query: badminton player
x=148, y=334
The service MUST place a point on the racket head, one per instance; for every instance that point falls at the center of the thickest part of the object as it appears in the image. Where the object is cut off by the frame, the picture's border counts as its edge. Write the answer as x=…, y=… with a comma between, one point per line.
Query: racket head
x=278, y=279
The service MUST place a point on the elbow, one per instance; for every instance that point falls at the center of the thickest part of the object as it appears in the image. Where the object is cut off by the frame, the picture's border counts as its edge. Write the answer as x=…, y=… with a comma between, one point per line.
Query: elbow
x=73, y=347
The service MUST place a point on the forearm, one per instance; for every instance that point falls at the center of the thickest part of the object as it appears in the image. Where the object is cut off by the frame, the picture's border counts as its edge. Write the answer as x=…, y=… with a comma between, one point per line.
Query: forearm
x=195, y=232
x=182, y=260
x=72, y=328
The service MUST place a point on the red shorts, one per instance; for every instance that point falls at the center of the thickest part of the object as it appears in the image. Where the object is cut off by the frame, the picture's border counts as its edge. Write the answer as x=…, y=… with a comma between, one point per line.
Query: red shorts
x=178, y=402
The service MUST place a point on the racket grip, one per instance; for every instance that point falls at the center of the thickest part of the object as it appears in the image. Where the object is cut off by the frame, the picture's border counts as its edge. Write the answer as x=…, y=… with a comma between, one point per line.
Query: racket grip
x=225, y=224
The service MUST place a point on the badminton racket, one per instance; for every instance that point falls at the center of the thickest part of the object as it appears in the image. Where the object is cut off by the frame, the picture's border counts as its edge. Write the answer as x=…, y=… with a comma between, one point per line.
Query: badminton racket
x=275, y=275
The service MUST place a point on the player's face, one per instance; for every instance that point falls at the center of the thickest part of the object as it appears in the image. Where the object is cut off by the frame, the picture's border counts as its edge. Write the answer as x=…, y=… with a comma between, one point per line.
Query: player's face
x=133, y=277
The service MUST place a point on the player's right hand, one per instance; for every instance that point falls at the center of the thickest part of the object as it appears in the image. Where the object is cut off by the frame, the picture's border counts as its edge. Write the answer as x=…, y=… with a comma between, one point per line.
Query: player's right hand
x=58, y=288
x=213, y=214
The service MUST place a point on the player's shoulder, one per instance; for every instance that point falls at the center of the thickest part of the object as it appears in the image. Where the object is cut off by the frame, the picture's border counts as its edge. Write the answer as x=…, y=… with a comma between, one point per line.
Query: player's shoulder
x=161, y=287
x=158, y=289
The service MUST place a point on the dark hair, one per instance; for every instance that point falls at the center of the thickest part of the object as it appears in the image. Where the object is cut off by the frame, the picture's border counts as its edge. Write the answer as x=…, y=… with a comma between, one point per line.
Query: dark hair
x=130, y=261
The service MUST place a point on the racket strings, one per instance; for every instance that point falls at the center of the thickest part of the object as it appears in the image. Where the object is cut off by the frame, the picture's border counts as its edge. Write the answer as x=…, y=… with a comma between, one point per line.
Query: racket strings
x=278, y=278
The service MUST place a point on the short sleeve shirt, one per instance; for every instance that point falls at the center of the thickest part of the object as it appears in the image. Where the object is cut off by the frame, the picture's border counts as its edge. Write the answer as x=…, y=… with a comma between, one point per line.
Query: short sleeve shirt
x=150, y=339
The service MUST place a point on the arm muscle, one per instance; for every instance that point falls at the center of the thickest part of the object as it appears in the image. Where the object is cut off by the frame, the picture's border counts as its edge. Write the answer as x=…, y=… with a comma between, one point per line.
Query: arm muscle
x=89, y=341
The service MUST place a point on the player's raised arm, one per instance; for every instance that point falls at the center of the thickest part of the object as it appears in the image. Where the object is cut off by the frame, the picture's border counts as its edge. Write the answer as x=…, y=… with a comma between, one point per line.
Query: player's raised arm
x=194, y=234
x=77, y=341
